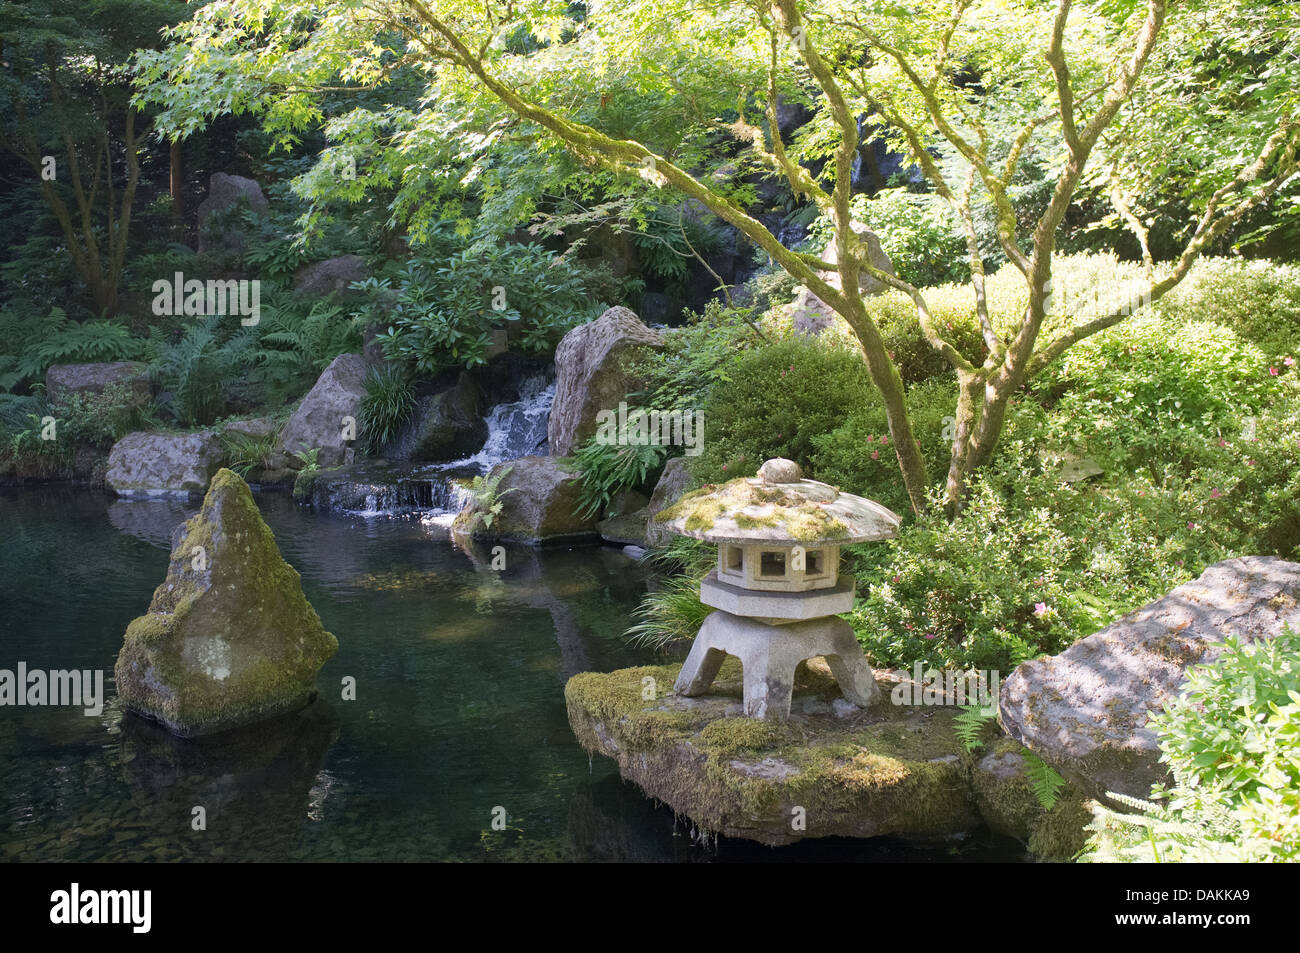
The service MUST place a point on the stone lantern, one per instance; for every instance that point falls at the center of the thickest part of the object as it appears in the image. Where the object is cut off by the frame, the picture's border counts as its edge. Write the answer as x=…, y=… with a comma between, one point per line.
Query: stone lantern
x=776, y=588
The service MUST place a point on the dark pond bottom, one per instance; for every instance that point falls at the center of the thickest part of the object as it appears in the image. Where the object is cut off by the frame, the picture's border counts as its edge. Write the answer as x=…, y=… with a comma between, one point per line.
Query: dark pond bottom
x=459, y=713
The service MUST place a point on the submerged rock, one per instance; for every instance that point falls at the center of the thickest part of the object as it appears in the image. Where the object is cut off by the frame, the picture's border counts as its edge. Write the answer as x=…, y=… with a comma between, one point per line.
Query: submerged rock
x=889, y=770
x=1085, y=711
x=229, y=637
x=592, y=374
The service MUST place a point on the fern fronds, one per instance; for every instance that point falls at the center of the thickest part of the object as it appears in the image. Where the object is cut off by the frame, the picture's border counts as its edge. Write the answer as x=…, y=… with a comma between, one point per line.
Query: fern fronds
x=1044, y=781
x=971, y=722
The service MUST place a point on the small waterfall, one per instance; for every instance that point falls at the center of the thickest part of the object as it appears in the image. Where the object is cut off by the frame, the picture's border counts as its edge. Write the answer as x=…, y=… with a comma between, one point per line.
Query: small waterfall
x=515, y=429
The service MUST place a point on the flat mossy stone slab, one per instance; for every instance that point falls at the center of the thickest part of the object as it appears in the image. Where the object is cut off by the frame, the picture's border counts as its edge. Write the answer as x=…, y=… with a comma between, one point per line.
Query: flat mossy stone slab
x=897, y=770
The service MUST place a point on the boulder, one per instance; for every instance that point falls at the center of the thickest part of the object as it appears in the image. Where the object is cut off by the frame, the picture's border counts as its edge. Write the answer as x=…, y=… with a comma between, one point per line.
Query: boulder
x=321, y=419
x=163, y=464
x=332, y=276
x=1085, y=711
x=889, y=770
x=625, y=519
x=229, y=638
x=224, y=192
x=448, y=425
x=131, y=376
x=898, y=769
x=811, y=314
x=591, y=375
x=539, y=501
x=674, y=481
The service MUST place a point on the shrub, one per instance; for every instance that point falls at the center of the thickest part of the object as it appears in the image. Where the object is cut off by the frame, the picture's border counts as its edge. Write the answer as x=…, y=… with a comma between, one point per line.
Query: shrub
x=1260, y=300
x=1155, y=394
x=858, y=457
x=1232, y=742
x=387, y=406
x=609, y=469
x=1029, y=565
x=443, y=309
x=777, y=398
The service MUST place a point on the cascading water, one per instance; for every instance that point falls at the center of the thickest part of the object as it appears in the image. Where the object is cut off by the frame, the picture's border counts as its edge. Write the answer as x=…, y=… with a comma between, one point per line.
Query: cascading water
x=515, y=429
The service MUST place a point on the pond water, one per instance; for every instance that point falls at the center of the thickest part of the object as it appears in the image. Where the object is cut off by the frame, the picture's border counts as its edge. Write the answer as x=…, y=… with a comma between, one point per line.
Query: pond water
x=459, y=706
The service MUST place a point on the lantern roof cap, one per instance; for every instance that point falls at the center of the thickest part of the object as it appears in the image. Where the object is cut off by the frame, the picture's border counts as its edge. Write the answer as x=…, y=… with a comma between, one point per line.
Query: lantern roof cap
x=780, y=507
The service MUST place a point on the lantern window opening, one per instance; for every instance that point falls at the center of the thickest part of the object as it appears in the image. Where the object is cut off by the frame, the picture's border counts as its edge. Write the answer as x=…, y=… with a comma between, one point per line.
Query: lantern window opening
x=772, y=564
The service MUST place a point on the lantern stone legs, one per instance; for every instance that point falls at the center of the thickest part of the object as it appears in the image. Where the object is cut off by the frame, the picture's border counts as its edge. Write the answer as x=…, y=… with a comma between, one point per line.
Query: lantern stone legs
x=769, y=655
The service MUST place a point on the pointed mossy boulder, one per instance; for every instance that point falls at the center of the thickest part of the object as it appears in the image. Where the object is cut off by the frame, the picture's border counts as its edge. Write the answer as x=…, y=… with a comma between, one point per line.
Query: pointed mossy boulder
x=229, y=638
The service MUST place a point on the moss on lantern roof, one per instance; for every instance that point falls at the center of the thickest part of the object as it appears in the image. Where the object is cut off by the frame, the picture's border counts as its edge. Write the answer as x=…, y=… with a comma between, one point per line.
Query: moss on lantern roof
x=749, y=509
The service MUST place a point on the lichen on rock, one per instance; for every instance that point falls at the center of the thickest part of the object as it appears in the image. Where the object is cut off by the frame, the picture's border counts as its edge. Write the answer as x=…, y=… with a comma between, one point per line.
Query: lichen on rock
x=229, y=637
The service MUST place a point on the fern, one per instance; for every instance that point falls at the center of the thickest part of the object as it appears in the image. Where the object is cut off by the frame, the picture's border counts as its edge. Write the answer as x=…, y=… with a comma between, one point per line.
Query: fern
x=1044, y=781
x=971, y=722
x=486, y=497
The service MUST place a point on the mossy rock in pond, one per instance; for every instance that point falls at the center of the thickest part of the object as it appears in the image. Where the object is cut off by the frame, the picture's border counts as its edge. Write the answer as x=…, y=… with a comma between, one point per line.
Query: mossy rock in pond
x=229, y=637
x=899, y=770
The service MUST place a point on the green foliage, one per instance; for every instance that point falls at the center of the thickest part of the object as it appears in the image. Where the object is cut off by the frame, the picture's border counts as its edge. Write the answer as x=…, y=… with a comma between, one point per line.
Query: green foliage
x=858, y=456
x=777, y=399
x=1259, y=300
x=972, y=721
x=1043, y=780
x=696, y=356
x=387, y=406
x=486, y=498
x=194, y=373
x=917, y=230
x=1157, y=394
x=33, y=342
x=309, y=460
x=247, y=453
x=1232, y=741
x=608, y=469
x=99, y=420
x=295, y=341
x=442, y=310
x=668, y=240
x=670, y=614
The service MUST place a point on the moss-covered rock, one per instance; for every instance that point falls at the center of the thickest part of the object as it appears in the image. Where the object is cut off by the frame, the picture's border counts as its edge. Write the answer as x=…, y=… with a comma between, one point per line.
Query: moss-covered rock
x=897, y=770
x=229, y=637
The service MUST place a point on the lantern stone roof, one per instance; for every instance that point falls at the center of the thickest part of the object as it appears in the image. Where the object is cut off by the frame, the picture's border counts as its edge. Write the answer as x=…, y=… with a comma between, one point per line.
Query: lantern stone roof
x=778, y=506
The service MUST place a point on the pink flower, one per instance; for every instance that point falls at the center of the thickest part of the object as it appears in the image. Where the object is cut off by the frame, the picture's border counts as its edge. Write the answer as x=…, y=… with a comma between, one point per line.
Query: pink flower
x=875, y=454
x=1222, y=442
x=884, y=440
x=1273, y=371
x=724, y=466
x=1289, y=361
x=1191, y=525
x=870, y=438
x=909, y=627
x=1250, y=463
x=897, y=580
x=1215, y=494
x=1041, y=609
x=929, y=635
